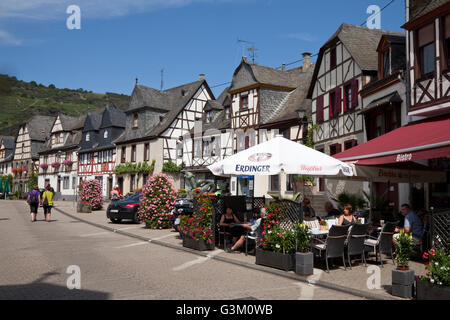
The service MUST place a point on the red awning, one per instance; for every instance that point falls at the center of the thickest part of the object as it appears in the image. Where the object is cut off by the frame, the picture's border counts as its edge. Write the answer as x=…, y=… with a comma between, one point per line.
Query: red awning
x=426, y=139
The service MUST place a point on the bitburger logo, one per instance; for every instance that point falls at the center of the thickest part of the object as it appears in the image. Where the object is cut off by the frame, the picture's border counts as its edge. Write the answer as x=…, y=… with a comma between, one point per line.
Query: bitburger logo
x=259, y=157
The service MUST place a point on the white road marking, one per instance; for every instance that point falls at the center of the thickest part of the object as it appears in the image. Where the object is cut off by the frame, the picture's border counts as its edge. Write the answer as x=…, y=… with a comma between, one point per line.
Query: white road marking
x=94, y=234
x=131, y=245
x=135, y=227
x=163, y=237
x=197, y=261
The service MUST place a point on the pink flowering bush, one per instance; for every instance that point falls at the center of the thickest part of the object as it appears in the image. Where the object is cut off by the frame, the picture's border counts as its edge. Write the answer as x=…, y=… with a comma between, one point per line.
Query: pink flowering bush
x=199, y=226
x=92, y=194
x=157, y=202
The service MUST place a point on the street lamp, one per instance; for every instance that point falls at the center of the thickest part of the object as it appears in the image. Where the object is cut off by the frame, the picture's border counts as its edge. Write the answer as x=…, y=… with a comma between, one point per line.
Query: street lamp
x=301, y=112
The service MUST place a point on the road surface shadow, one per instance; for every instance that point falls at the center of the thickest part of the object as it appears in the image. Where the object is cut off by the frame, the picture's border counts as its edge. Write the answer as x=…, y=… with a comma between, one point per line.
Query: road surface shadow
x=47, y=291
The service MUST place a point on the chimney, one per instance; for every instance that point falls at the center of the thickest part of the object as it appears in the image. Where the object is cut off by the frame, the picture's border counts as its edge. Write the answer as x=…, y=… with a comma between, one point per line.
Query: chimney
x=306, y=61
x=201, y=76
x=283, y=67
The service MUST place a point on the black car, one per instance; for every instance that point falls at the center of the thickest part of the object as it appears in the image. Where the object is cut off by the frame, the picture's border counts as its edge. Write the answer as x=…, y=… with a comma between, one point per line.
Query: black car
x=127, y=208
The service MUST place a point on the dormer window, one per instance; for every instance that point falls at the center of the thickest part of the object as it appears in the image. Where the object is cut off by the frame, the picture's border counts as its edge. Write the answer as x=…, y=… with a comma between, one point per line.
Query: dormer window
x=105, y=135
x=227, y=112
x=135, y=120
x=88, y=137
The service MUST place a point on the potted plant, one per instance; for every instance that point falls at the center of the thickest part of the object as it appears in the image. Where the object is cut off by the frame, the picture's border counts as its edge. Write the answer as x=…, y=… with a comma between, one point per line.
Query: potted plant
x=197, y=229
x=19, y=170
x=44, y=166
x=436, y=284
x=278, y=245
x=55, y=165
x=68, y=163
x=158, y=199
x=304, y=258
x=402, y=277
x=323, y=225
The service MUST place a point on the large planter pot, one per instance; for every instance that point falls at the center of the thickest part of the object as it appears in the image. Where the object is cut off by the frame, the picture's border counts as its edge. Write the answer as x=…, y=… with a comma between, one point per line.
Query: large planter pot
x=83, y=208
x=403, y=283
x=425, y=290
x=275, y=260
x=199, y=245
x=304, y=263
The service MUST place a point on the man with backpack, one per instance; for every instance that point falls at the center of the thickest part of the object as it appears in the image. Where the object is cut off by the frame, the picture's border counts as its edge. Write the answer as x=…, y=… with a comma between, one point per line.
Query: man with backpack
x=34, y=199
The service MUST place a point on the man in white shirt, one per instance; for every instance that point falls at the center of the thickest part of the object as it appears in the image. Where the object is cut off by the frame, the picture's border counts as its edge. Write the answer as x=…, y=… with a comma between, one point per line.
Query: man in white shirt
x=255, y=228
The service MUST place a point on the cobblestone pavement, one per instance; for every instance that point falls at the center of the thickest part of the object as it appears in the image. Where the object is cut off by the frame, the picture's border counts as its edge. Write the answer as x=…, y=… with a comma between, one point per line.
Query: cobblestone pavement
x=35, y=258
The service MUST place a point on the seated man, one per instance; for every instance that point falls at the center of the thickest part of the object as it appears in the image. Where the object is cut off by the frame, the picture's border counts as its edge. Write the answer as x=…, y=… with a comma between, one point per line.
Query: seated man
x=413, y=224
x=330, y=210
x=308, y=211
x=256, y=227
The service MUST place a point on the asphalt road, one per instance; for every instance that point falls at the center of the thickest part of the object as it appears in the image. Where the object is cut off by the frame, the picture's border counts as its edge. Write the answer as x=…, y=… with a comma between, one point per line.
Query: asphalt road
x=36, y=258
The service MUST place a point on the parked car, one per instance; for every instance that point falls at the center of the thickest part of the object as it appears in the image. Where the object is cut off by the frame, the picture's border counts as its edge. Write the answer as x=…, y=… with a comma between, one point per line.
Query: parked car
x=127, y=208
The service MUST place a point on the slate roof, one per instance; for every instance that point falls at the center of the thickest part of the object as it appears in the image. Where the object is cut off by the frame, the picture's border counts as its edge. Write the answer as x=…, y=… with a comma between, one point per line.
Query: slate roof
x=297, y=98
x=422, y=7
x=39, y=127
x=9, y=143
x=170, y=101
x=266, y=75
x=361, y=43
x=117, y=117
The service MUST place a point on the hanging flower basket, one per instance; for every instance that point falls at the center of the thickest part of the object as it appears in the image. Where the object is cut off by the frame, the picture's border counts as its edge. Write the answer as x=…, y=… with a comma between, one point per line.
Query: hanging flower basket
x=55, y=165
x=25, y=169
x=19, y=170
x=44, y=166
x=68, y=163
x=14, y=171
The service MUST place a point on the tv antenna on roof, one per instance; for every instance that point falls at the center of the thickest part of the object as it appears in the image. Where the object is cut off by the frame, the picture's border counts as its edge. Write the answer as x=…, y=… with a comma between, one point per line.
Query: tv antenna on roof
x=251, y=48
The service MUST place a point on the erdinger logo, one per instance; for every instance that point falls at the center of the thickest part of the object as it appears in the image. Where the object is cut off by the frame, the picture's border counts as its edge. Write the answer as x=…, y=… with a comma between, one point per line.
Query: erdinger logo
x=260, y=157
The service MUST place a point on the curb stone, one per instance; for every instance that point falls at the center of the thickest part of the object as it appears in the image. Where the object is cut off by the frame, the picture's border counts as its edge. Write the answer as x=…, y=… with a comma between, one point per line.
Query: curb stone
x=320, y=283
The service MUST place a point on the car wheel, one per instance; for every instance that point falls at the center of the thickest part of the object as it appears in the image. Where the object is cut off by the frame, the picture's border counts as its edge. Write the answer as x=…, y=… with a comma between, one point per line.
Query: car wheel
x=136, y=218
x=117, y=220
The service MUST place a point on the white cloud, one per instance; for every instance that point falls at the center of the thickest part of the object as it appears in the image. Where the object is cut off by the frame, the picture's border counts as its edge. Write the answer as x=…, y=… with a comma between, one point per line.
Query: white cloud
x=8, y=39
x=56, y=9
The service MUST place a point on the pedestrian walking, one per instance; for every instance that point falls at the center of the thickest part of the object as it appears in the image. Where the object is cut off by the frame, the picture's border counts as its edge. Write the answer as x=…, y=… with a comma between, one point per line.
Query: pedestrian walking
x=33, y=200
x=47, y=202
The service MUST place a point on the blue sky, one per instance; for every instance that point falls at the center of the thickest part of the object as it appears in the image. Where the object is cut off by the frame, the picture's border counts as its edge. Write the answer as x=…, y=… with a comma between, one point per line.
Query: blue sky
x=122, y=40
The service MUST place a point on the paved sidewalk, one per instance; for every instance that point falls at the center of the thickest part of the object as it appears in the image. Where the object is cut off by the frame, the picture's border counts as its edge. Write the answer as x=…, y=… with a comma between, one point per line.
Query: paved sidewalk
x=354, y=281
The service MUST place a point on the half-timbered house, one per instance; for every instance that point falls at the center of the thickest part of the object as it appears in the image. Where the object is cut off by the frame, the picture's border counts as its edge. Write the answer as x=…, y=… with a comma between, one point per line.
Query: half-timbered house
x=6, y=155
x=97, y=153
x=210, y=140
x=346, y=63
x=58, y=160
x=156, y=120
x=265, y=102
x=384, y=107
x=30, y=139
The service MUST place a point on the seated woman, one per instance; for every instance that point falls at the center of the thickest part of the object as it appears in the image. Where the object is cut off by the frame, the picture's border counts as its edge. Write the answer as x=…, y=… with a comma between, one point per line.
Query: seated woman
x=256, y=227
x=227, y=220
x=347, y=217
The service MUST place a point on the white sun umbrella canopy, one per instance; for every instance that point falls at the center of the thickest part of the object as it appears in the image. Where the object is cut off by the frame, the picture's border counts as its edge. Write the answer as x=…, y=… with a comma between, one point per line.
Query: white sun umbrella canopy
x=272, y=156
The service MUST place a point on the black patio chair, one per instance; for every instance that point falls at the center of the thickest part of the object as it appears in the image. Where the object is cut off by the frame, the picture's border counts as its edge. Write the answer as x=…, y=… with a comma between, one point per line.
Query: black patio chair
x=334, y=245
x=355, y=242
x=383, y=243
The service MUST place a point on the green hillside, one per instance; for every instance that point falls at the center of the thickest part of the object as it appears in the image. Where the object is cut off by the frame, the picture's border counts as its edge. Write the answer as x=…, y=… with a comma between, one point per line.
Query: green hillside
x=20, y=100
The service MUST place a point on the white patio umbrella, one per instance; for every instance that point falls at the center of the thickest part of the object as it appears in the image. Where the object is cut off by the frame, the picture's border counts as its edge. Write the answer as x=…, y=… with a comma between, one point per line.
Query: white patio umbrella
x=272, y=156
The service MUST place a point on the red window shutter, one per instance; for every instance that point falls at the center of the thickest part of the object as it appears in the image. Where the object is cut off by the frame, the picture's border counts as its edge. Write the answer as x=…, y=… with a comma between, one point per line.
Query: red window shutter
x=330, y=104
x=354, y=93
x=319, y=109
x=345, y=98
x=338, y=101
